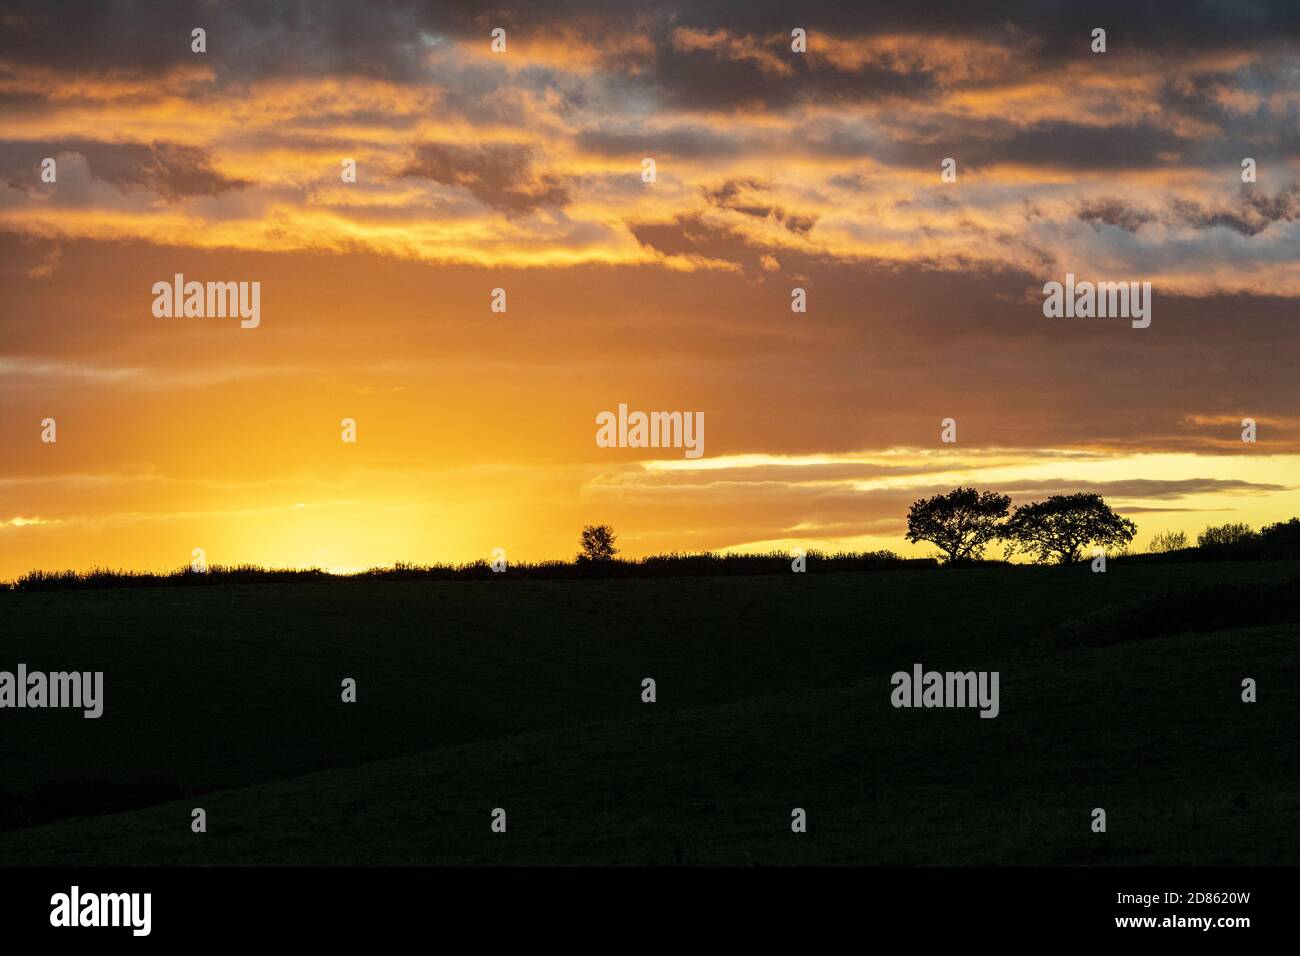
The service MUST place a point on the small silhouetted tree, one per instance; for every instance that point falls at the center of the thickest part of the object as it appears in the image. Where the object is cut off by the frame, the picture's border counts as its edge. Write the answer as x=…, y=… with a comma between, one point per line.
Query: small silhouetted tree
x=1166, y=541
x=960, y=523
x=597, y=543
x=1226, y=535
x=1059, y=528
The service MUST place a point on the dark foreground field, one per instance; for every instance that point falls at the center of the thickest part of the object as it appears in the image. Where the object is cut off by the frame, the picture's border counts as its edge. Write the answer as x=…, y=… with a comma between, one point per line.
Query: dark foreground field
x=1120, y=691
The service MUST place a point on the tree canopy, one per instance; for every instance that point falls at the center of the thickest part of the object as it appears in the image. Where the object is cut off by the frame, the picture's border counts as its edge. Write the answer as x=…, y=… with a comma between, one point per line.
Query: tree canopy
x=1226, y=535
x=1063, y=525
x=960, y=523
x=597, y=543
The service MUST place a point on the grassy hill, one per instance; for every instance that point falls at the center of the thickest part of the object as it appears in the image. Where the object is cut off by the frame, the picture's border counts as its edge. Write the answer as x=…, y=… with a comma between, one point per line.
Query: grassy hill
x=773, y=693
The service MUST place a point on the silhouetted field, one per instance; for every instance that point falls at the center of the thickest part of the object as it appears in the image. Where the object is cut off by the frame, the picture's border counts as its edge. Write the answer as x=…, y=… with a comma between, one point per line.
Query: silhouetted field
x=1118, y=690
x=656, y=566
x=673, y=565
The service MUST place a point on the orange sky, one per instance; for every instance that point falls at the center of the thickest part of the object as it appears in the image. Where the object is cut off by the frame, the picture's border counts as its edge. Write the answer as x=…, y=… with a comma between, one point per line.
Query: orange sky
x=523, y=171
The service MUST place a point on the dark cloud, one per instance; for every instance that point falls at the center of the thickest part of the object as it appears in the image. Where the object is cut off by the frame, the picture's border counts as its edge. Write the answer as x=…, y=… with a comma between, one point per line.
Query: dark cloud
x=686, y=142
x=170, y=169
x=1253, y=213
x=782, y=474
x=690, y=235
x=1147, y=488
x=167, y=168
x=1047, y=145
x=499, y=175
x=703, y=80
x=395, y=40
x=1042, y=37
x=1114, y=212
x=244, y=41
x=733, y=195
x=406, y=43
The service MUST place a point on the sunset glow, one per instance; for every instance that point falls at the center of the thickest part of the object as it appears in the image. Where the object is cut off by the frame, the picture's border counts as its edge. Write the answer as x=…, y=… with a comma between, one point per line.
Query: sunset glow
x=523, y=171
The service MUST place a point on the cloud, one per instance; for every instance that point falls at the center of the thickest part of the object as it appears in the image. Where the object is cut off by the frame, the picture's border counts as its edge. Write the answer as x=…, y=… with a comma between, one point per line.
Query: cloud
x=533, y=156
x=1253, y=213
x=1114, y=212
x=737, y=195
x=499, y=175
x=171, y=170
x=678, y=141
x=1144, y=488
x=692, y=239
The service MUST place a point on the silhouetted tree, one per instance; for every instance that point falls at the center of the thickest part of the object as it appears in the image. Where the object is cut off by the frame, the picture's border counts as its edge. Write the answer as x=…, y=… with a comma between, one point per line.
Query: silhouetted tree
x=1166, y=541
x=598, y=543
x=960, y=522
x=1282, y=538
x=1063, y=525
x=1226, y=535
x=1283, y=533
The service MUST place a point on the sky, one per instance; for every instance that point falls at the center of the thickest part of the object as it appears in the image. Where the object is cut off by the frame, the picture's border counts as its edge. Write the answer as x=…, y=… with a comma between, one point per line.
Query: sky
x=522, y=170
